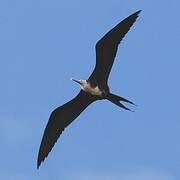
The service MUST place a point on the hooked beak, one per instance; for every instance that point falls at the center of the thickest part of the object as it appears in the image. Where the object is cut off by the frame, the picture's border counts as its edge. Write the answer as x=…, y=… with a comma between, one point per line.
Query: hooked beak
x=79, y=82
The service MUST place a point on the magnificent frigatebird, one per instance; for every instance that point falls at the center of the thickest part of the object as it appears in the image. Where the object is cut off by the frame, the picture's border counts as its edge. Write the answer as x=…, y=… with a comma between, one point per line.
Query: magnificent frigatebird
x=93, y=89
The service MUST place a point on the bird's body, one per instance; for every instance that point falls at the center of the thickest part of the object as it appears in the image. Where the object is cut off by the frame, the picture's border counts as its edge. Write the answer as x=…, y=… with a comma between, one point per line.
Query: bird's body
x=93, y=89
x=88, y=88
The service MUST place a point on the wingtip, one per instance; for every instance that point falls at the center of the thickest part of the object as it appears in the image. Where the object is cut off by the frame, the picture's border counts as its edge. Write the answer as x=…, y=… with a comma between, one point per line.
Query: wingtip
x=38, y=164
x=138, y=12
x=40, y=160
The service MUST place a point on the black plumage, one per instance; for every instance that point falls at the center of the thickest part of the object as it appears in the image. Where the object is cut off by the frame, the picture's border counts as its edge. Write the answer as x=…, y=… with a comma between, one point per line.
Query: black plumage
x=61, y=117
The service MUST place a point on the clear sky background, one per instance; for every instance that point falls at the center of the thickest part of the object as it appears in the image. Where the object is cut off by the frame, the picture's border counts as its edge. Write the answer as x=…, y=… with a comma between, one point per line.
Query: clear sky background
x=45, y=43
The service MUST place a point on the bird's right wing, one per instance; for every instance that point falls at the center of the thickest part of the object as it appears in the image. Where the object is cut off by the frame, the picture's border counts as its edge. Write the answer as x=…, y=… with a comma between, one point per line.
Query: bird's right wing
x=106, y=49
x=59, y=119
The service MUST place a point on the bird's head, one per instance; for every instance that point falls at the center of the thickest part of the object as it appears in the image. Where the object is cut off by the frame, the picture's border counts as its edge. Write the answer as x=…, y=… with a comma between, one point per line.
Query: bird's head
x=82, y=83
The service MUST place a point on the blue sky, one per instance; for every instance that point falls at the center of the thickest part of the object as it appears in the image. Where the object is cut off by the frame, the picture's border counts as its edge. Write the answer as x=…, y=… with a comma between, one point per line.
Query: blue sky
x=45, y=43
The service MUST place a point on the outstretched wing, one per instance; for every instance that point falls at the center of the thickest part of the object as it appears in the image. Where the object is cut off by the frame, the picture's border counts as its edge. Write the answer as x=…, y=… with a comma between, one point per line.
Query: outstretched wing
x=59, y=119
x=106, y=49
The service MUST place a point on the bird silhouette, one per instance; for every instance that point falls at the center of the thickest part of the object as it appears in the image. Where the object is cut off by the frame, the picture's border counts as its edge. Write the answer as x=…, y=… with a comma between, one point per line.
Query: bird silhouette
x=93, y=89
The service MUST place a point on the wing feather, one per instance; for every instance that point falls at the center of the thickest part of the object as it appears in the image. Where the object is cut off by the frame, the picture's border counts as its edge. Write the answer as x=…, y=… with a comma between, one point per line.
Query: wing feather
x=59, y=119
x=106, y=49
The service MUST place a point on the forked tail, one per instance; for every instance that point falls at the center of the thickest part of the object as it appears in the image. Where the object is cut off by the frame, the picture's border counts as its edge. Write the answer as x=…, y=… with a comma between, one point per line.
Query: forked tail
x=117, y=100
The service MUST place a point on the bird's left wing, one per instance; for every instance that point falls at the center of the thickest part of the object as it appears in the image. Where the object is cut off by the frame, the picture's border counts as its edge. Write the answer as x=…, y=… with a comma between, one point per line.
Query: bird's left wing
x=106, y=49
x=59, y=119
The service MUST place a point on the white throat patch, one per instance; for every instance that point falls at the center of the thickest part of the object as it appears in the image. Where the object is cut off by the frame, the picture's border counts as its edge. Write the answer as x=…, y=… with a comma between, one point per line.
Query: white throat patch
x=92, y=90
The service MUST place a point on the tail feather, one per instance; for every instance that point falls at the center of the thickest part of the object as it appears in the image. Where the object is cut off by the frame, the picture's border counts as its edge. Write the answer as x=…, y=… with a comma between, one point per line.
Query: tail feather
x=117, y=100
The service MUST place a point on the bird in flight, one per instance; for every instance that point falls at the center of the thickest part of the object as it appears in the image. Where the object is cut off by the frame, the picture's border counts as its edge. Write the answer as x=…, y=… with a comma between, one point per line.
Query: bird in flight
x=93, y=89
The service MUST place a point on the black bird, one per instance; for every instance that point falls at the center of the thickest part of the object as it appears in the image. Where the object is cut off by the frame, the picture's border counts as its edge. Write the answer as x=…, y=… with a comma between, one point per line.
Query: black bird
x=93, y=89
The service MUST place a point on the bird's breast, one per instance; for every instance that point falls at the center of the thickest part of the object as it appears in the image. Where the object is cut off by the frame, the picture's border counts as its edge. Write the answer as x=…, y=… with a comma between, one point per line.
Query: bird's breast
x=92, y=90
